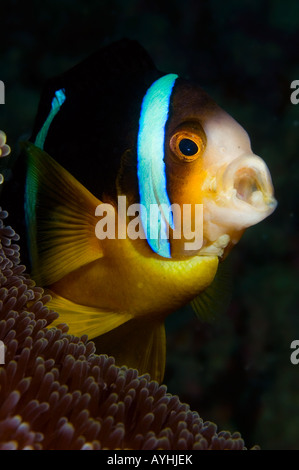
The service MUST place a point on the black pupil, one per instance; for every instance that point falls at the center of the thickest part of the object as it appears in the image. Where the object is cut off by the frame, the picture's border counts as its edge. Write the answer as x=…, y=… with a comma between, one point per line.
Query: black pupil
x=188, y=147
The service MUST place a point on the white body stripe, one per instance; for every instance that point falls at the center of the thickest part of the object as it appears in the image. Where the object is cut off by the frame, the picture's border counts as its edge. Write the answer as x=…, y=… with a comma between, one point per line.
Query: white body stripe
x=58, y=100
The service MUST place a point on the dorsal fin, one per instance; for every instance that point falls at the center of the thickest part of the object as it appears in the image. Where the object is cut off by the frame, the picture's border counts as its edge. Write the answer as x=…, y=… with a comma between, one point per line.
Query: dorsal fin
x=124, y=58
x=100, y=115
x=60, y=218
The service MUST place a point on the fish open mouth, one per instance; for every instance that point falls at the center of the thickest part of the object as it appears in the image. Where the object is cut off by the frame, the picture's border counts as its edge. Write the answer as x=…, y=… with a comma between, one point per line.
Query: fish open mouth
x=248, y=188
x=247, y=180
x=244, y=196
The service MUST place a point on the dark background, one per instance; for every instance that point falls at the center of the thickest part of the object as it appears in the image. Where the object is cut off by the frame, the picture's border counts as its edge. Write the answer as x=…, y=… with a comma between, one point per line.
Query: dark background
x=236, y=371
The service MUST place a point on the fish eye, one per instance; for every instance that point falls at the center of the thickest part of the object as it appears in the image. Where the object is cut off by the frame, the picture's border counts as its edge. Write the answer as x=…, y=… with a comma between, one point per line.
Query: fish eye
x=188, y=147
x=188, y=142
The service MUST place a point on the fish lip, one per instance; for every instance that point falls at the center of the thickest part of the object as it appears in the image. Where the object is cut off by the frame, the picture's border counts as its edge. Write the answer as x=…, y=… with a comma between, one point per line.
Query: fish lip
x=217, y=247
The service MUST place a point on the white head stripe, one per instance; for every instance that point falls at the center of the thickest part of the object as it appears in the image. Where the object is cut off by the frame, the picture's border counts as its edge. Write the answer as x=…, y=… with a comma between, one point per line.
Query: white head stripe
x=151, y=166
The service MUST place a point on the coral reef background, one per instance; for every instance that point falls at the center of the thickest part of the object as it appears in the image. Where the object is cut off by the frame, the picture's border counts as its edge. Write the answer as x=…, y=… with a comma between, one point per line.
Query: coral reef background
x=236, y=371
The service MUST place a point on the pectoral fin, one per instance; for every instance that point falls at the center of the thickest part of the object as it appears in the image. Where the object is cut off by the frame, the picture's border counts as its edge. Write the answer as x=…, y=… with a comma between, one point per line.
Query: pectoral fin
x=60, y=218
x=215, y=300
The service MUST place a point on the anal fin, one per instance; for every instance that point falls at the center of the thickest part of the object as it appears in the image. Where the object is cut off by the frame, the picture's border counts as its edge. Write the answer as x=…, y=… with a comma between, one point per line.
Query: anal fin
x=139, y=344
x=83, y=319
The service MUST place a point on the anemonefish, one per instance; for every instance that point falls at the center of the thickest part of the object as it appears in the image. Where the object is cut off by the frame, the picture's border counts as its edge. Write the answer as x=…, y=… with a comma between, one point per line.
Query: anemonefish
x=114, y=126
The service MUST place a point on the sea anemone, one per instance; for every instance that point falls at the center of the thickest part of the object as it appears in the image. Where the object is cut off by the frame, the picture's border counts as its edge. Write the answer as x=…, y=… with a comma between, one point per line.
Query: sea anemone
x=56, y=393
